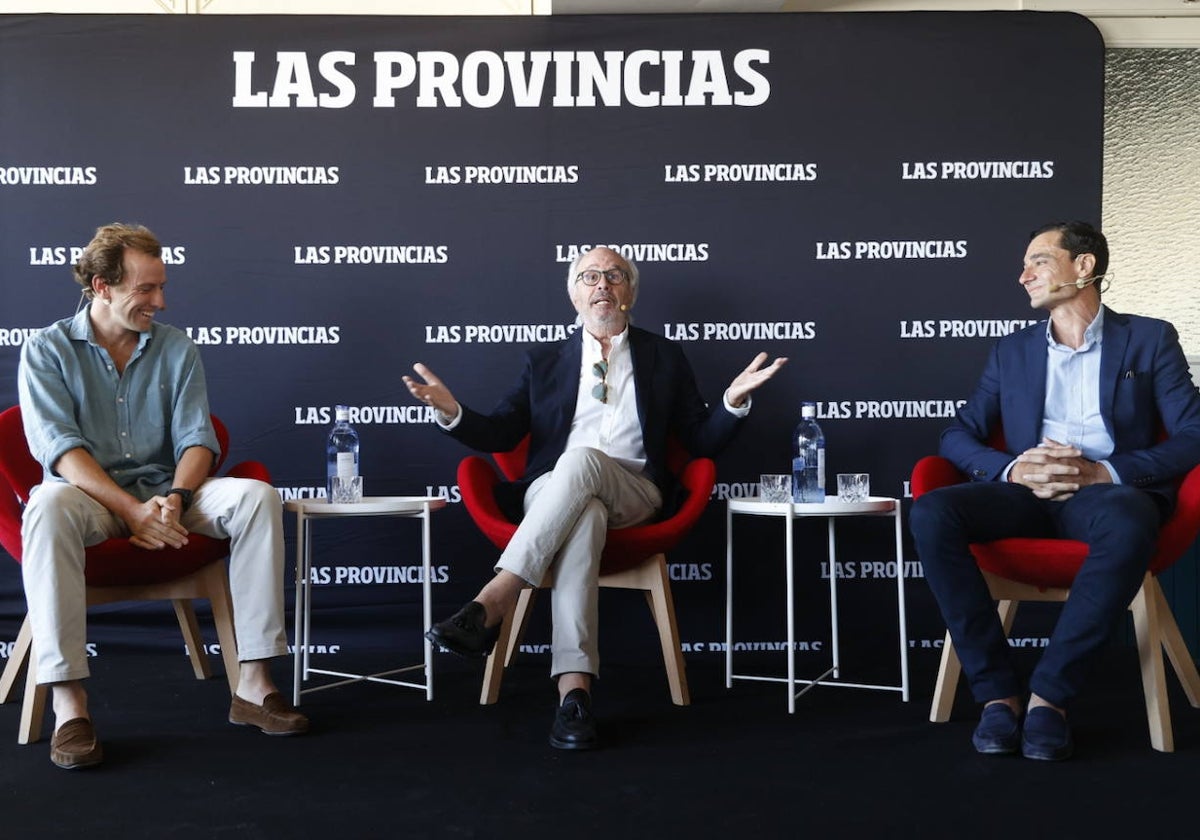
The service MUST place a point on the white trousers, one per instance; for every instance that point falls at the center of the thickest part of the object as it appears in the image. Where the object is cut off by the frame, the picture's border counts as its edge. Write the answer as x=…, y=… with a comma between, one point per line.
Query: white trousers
x=61, y=520
x=568, y=512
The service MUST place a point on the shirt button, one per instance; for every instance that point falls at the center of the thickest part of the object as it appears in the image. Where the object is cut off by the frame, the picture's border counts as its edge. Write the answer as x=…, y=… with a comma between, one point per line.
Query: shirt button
x=120, y=399
x=122, y=434
x=128, y=455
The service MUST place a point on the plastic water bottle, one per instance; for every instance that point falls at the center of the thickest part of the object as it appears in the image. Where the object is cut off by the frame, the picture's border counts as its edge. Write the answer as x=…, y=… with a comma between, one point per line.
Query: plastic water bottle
x=341, y=451
x=808, y=457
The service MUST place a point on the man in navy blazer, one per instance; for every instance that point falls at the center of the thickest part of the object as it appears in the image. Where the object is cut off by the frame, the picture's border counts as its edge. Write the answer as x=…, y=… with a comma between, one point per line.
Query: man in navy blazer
x=1100, y=417
x=598, y=409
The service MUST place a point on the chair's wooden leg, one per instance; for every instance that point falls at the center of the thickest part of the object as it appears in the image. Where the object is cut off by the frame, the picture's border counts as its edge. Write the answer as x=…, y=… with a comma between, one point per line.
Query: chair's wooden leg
x=1008, y=612
x=1145, y=609
x=493, y=671
x=17, y=660
x=185, y=613
x=221, y=603
x=1177, y=649
x=663, y=610
x=947, y=683
x=946, y=687
x=520, y=623
x=33, y=706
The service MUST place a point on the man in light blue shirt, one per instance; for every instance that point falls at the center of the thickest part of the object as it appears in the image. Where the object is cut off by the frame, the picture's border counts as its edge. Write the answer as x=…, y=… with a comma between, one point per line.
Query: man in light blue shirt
x=1099, y=419
x=115, y=409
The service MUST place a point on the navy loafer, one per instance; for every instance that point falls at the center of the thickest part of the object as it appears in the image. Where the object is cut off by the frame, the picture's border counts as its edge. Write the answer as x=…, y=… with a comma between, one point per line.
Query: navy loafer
x=998, y=732
x=1046, y=736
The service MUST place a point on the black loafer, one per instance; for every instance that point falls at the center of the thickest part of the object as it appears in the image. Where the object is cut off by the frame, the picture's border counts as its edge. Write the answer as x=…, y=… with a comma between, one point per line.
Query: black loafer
x=1046, y=736
x=464, y=634
x=998, y=732
x=574, y=725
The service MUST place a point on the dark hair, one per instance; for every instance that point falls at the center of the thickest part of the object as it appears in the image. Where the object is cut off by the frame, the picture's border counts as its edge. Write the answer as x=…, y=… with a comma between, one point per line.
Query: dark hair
x=104, y=256
x=1080, y=238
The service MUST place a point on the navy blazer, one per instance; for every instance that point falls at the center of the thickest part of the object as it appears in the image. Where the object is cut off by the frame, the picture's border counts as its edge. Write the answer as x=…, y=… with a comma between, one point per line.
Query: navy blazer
x=1145, y=391
x=542, y=405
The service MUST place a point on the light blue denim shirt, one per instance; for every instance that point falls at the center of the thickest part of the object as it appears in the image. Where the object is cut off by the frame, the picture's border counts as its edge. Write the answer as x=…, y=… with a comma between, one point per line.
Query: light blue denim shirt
x=136, y=424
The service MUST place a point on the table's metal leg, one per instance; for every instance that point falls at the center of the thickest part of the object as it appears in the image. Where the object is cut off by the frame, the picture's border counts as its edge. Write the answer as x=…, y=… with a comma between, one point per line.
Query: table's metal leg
x=301, y=585
x=790, y=594
x=427, y=599
x=728, y=597
x=833, y=600
x=901, y=605
x=306, y=652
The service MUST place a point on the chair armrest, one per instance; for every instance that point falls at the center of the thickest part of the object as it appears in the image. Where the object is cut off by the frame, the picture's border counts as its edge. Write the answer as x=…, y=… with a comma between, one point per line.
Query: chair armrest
x=250, y=469
x=1180, y=531
x=477, y=480
x=932, y=472
x=625, y=546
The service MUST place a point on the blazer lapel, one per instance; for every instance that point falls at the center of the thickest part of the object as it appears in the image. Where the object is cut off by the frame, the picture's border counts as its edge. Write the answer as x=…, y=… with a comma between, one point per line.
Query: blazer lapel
x=1036, y=352
x=641, y=354
x=564, y=386
x=1112, y=360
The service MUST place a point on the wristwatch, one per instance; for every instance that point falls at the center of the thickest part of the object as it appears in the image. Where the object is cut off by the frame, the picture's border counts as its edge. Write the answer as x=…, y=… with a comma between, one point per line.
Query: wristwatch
x=185, y=496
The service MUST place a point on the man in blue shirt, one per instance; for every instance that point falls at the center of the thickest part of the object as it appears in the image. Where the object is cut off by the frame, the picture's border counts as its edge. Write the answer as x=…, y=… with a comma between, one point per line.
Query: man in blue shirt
x=1083, y=402
x=115, y=409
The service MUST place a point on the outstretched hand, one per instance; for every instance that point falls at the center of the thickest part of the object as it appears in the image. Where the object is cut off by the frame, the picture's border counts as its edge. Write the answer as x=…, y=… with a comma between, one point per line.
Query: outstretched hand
x=751, y=378
x=431, y=391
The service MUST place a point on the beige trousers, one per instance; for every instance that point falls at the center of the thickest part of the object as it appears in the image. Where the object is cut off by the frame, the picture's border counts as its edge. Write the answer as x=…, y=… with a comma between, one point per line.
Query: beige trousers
x=60, y=521
x=568, y=512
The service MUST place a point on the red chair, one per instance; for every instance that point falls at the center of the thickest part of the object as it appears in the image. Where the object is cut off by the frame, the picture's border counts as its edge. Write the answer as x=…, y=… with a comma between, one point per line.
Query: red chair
x=1022, y=569
x=634, y=558
x=118, y=571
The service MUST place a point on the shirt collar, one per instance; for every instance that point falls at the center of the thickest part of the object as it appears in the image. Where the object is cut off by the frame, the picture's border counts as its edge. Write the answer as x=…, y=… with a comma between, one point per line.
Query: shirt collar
x=81, y=325
x=591, y=344
x=82, y=330
x=1093, y=335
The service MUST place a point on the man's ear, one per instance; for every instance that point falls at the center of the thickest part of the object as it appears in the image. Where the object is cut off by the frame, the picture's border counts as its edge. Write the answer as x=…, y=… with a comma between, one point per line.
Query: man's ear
x=1087, y=262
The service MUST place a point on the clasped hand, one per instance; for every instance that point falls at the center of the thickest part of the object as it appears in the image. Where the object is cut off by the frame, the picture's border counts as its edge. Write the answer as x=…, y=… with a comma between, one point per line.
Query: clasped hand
x=155, y=524
x=1054, y=470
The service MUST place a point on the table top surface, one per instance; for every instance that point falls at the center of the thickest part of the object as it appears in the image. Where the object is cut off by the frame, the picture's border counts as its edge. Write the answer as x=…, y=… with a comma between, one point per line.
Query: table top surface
x=368, y=505
x=830, y=507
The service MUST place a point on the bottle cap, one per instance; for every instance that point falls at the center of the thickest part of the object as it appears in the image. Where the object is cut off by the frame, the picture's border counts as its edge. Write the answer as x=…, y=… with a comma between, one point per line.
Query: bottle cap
x=808, y=409
x=341, y=412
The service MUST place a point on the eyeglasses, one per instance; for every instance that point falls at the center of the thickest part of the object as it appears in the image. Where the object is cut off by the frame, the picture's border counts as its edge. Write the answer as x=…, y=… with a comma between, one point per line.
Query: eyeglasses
x=600, y=389
x=614, y=276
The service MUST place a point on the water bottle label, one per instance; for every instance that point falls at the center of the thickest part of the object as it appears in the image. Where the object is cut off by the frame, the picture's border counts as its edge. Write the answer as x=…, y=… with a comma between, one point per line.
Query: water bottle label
x=821, y=468
x=346, y=468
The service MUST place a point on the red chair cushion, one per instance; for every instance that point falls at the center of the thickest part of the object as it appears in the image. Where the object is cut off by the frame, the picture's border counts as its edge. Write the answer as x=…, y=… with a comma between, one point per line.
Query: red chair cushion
x=114, y=562
x=624, y=547
x=1054, y=563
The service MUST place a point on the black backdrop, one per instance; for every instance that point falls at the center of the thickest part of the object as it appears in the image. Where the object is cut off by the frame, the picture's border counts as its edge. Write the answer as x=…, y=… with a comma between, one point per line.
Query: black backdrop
x=852, y=191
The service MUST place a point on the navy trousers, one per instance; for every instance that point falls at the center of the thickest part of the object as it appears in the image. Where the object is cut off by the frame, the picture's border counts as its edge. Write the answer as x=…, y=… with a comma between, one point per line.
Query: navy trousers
x=1120, y=525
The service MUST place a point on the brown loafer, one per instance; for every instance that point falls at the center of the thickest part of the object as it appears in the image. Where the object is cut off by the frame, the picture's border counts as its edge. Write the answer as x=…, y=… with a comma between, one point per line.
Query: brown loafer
x=74, y=745
x=275, y=716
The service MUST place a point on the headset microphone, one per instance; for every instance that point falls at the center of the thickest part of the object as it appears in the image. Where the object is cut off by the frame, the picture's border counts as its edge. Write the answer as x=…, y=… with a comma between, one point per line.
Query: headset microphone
x=1079, y=284
x=624, y=307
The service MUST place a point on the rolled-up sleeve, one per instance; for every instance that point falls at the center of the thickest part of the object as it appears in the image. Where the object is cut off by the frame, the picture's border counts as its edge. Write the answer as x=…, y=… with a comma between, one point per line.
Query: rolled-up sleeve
x=47, y=407
x=191, y=424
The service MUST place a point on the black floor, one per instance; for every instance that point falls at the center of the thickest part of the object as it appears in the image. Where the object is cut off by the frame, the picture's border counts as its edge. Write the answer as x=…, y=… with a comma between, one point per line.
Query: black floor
x=382, y=761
